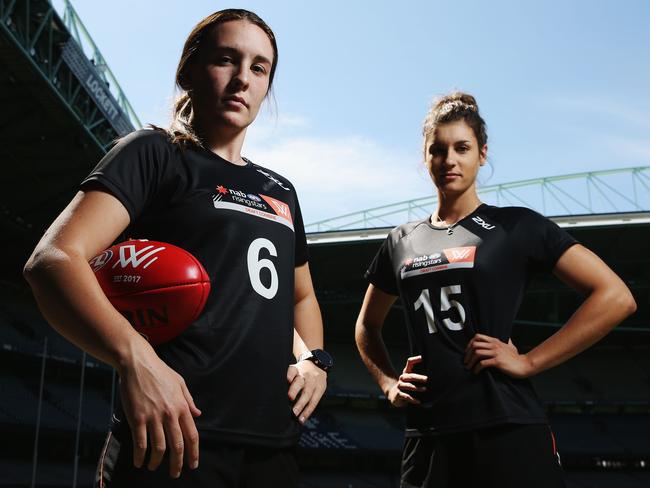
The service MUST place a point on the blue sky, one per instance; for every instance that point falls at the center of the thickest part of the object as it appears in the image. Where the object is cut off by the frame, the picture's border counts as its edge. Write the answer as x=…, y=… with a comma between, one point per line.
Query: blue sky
x=562, y=85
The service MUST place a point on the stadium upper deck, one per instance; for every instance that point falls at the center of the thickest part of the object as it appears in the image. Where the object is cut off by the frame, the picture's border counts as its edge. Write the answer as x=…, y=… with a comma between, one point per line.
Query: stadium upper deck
x=61, y=110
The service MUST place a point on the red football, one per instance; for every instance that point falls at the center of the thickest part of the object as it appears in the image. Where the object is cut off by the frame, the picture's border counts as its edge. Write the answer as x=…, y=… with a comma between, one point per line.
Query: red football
x=160, y=288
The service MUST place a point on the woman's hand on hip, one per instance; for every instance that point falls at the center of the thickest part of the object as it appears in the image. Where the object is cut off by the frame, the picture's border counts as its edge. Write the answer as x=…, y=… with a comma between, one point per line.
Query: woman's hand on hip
x=484, y=351
x=400, y=393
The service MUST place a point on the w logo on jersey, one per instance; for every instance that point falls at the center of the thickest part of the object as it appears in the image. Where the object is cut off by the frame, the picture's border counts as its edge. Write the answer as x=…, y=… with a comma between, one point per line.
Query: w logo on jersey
x=281, y=208
x=129, y=256
x=460, y=254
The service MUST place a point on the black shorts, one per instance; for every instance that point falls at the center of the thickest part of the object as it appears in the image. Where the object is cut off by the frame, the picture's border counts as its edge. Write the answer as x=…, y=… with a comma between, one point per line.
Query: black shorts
x=220, y=466
x=505, y=456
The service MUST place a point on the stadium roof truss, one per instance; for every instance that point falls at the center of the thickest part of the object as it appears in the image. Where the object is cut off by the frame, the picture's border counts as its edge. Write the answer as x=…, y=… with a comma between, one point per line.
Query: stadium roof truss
x=63, y=52
x=621, y=194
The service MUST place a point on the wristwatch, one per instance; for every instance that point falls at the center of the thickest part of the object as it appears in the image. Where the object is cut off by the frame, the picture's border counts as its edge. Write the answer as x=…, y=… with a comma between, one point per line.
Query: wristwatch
x=319, y=357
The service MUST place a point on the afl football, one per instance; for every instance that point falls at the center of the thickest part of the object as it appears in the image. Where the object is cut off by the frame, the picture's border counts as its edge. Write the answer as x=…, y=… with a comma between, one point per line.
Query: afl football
x=160, y=288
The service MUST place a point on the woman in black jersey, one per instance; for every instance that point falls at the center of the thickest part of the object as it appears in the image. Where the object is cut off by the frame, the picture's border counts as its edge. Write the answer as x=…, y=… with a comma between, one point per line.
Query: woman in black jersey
x=238, y=377
x=473, y=418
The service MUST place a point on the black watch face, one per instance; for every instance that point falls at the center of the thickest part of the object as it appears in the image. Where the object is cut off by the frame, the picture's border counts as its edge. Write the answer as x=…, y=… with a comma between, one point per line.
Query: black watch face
x=323, y=357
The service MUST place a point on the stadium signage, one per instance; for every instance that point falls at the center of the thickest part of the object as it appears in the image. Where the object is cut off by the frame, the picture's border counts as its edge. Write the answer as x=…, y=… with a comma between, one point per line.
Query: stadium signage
x=96, y=87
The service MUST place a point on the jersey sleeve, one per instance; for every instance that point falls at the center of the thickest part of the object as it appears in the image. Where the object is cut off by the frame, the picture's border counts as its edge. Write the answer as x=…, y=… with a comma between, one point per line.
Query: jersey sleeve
x=134, y=170
x=302, y=254
x=380, y=272
x=545, y=242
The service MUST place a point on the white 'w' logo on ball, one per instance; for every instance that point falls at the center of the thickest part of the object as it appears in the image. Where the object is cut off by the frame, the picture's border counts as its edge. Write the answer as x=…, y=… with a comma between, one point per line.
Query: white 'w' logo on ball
x=129, y=255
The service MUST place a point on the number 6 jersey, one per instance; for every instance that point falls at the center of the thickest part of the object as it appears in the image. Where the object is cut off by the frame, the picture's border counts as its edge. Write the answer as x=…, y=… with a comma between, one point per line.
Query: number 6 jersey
x=454, y=285
x=243, y=223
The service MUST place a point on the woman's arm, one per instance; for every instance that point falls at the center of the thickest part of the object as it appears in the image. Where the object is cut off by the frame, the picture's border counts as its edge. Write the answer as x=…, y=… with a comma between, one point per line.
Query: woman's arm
x=370, y=343
x=307, y=381
x=64, y=285
x=158, y=406
x=608, y=301
x=308, y=322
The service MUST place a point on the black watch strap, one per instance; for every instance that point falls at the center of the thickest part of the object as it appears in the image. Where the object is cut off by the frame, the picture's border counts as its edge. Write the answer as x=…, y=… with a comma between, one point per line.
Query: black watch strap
x=320, y=358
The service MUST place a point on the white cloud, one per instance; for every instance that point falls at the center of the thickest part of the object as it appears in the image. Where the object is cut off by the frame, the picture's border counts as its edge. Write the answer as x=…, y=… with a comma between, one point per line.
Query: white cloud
x=337, y=175
x=270, y=126
x=628, y=147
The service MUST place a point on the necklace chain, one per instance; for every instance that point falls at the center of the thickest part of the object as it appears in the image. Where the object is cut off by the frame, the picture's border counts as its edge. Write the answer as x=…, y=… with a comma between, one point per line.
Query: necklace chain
x=450, y=228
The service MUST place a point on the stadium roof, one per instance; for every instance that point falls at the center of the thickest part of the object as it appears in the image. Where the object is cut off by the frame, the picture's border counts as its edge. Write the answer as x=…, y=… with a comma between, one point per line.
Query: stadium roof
x=571, y=221
x=609, y=197
x=62, y=109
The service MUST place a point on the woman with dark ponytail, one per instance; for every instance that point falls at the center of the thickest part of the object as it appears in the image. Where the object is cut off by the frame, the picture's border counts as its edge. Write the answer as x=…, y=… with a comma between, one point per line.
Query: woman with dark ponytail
x=473, y=418
x=250, y=370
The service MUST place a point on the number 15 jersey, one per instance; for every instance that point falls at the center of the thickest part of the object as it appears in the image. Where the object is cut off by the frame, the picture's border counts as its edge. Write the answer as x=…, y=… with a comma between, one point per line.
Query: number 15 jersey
x=454, y=285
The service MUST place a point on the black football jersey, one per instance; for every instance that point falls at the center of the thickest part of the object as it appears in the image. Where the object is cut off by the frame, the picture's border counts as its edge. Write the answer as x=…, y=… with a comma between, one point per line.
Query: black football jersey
x=454, y=284
x=243, y=223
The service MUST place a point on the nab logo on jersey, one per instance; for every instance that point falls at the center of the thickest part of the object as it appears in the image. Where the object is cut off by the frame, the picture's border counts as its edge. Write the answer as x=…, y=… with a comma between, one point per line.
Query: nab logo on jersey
x=129, y=256
x=482, y=223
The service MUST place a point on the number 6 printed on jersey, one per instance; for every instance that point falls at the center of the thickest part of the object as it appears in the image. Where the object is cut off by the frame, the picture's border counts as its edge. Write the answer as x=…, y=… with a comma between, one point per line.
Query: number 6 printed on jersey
x=256, y=265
